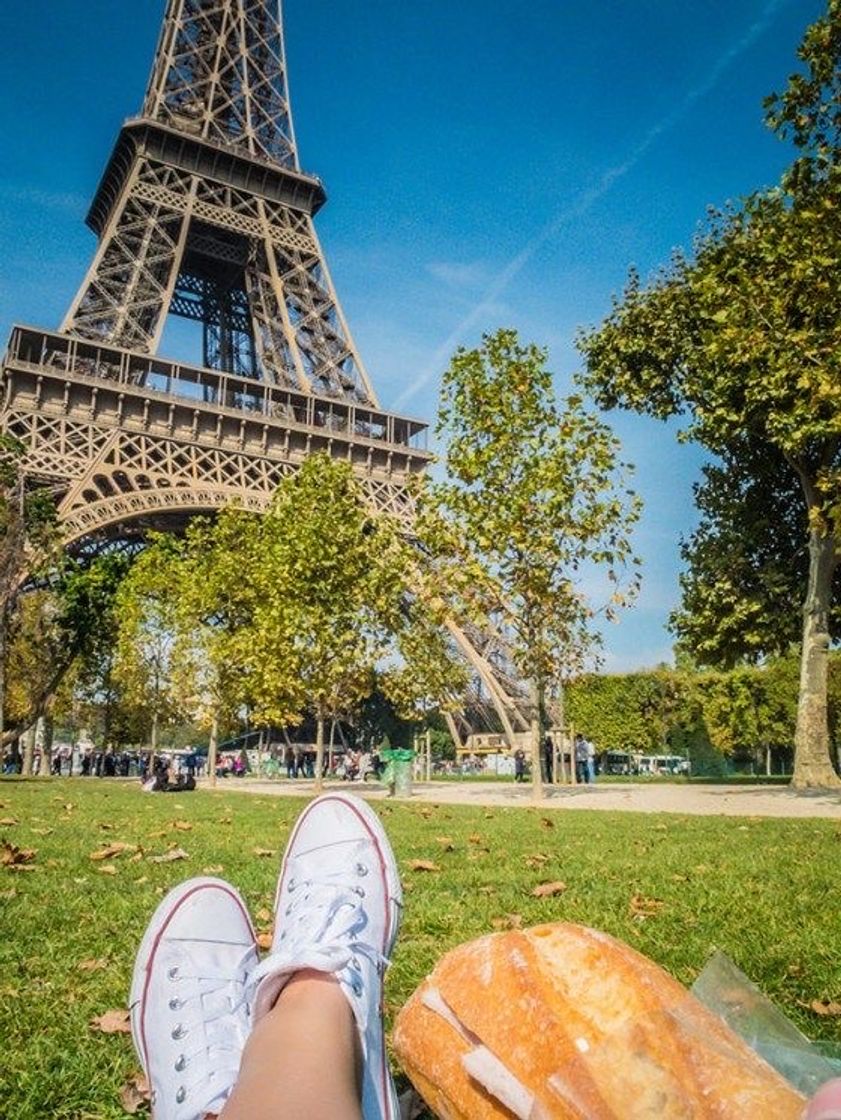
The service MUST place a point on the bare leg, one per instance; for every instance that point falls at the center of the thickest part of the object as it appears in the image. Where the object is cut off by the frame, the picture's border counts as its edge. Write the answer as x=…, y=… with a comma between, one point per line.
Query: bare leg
x=302, y=1060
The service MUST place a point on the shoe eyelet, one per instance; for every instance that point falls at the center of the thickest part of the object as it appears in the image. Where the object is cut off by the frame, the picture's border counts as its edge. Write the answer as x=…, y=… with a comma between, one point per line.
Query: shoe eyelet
x=355, y=963
x=173, y=973
x=179, y=1031
x=360, y=891
x=361, y=869
x=181, y=1095
x=291, y=885
x=175, y=1004
x=356, y=985
x=181, y=1064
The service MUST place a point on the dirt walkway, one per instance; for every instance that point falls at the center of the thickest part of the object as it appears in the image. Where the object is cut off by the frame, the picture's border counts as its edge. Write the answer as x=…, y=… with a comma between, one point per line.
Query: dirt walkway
x=698, y=800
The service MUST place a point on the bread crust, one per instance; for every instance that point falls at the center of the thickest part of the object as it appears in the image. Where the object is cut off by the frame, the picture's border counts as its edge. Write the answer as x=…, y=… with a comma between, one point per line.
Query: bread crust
x=564, y=1021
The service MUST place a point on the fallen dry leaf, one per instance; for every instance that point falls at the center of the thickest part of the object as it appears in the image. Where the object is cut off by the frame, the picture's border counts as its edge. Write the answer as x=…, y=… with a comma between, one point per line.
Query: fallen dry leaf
x=264, y=939
x=422, y=865
x=486, y=890
x=264, y=915
x=143, y=879
x=261, y=852
x=112, y=1022
x=536, y=860
x=170, y=856
x=508, y=921
x=135, y=1094
x=642, y=907
x=446, y=843
x=213, y=869
x=8, y=895
x=545, y=822
x=7, y=822
x=546, y=890
x=41, y=831
x=106, y=826
x=475, y=838
x=107, y=869
x=112, y=850
x=826, y=1008
x=95, y=964
x=182, y=826
x=13, y=856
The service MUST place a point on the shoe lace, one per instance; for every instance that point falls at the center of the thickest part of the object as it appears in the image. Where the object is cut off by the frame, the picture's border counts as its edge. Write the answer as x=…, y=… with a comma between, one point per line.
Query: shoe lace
x=213, y=1000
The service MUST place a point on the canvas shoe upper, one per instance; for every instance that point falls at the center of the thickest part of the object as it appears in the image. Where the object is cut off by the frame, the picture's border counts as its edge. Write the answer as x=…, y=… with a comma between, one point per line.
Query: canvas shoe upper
x=190, y=994
x=337, y=910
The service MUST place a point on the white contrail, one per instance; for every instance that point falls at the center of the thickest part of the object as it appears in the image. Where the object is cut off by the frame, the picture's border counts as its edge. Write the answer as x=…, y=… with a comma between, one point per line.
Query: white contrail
x=585, y=201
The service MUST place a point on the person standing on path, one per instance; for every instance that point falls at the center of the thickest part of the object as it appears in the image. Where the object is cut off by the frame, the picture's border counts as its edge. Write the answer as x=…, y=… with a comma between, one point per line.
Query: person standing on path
x=591, y=762
x=519, y=765
x=580, y=752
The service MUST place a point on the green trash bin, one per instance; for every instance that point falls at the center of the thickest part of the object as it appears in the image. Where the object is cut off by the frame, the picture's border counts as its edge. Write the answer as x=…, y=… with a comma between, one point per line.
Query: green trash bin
x=398, y=772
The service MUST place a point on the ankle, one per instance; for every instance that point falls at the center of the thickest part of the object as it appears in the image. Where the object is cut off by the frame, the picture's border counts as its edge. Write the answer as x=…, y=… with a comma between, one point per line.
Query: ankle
x=315, y=993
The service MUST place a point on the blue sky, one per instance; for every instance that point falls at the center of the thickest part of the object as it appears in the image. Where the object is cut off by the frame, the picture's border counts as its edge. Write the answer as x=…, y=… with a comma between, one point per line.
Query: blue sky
x=487, y=162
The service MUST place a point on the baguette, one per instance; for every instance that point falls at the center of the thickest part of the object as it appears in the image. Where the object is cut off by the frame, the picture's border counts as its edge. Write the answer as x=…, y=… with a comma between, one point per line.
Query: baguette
x=565, y=1022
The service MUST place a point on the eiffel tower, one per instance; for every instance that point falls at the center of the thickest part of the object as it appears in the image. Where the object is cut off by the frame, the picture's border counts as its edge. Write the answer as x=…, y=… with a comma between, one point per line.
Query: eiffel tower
x=204, y=213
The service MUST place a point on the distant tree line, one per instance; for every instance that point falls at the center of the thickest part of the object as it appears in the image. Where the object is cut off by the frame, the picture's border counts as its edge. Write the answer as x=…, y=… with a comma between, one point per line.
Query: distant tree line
x=737, y=717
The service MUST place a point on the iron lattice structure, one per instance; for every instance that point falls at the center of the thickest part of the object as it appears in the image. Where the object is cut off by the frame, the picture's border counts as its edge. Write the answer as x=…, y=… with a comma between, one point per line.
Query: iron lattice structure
x=204, y=213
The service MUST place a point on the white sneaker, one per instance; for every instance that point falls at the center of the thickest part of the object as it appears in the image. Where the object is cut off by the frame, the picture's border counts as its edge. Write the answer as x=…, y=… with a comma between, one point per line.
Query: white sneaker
x=189, y=998
x=338, y=910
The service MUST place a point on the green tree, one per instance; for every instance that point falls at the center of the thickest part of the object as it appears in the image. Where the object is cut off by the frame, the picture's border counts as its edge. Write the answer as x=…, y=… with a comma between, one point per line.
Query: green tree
x=284, y=613
x=57, y=629
x=747, y=562
x=145, y=663
x=533, y=495
x=330, y=586
x=30, y=544
x=744, y=338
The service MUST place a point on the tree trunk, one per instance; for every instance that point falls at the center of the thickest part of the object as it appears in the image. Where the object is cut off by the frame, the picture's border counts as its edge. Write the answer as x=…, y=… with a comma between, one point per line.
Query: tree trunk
x=319, y=753
x=813, y=767
x=330, y=747
x=212, y=750
x=46, y=726
x=154, y=745
x=28, y=750
x=428, y=768
x=534, y=728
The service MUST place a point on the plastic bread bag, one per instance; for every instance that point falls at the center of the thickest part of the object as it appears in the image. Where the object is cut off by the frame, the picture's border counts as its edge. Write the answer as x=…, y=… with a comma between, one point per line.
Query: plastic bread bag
x=729, y=994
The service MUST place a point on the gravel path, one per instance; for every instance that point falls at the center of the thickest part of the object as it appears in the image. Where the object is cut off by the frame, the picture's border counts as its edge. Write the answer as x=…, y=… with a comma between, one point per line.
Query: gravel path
x=641, y=797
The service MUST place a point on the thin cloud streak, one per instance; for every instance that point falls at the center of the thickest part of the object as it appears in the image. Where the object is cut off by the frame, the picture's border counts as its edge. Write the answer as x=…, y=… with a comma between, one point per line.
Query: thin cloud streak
x=587, y=200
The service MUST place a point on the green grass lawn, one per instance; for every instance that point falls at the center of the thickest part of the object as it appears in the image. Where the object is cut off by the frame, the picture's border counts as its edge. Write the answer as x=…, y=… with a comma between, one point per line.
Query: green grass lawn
x=764, y=891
